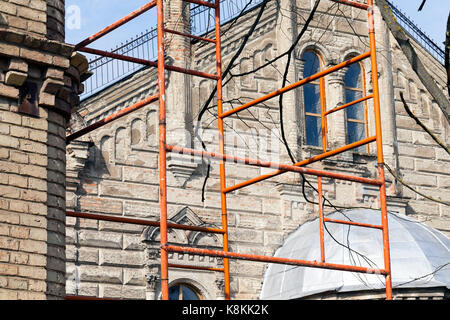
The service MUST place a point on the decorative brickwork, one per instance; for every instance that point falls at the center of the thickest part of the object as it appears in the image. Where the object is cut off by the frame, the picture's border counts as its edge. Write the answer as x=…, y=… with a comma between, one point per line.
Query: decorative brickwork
x=39, y=70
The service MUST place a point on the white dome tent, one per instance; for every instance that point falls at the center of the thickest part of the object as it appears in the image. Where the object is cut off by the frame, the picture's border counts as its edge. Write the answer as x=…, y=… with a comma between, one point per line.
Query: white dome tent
x=420, y=258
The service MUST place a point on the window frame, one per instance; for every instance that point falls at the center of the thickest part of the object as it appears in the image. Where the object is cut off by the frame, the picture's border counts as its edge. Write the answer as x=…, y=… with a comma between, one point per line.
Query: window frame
x=363, y=91
x=322, y=101
x=189, y=286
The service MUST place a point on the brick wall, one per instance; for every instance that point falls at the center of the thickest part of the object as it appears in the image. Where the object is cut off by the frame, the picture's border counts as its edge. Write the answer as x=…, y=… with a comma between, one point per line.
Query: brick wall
x=32, y=204
x=33, y=150
x=29, y=16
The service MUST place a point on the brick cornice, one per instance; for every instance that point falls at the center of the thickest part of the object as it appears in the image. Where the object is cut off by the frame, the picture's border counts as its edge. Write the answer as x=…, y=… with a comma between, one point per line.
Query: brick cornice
x=23, y=40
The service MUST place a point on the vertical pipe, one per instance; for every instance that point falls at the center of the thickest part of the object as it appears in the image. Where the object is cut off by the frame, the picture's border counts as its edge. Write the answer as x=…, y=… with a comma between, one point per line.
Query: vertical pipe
x=223, y=195
x=379, y=142
x=321, y=222
x=323, y=110
x=162, y=154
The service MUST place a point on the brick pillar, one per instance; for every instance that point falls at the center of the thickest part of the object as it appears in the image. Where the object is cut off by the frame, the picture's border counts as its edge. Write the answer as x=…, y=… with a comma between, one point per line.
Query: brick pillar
x=178, y=92
x=286, y=33
x=38, y=88
x=178, y=50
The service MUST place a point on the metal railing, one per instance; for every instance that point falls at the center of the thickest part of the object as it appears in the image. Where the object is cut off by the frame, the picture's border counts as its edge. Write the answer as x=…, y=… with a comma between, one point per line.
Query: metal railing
x=106, y=71
x=414, y=31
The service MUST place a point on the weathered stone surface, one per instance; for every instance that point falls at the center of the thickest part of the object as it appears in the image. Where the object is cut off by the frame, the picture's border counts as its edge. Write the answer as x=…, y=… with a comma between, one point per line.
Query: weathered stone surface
x=122, y=169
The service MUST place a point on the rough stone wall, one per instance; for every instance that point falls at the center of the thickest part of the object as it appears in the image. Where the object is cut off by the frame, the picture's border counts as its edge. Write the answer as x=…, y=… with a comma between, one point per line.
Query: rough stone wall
x=422, y=162
x=117, y=169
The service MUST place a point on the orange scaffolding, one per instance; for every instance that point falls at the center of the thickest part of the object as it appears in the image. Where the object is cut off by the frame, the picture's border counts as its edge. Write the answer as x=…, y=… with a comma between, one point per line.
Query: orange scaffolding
x=164, y=148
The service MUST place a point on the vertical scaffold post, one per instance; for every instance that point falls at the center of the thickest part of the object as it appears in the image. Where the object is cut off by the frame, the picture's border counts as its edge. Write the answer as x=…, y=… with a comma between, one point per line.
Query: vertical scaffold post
x=379, y=142
x=223, y=186
x=162, y=153
x=323, y=109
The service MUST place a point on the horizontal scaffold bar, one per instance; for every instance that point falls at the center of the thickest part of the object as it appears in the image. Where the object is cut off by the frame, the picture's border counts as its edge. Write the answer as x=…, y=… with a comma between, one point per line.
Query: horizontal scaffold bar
x=353, y=223
x=301, y=163
x=297, y=84
x=184, y=266
x=144, y=222
x=148, y=63
x=190, y=35
x=111, y=118
x=267, y=164
x=116, y=24
x=278, y=260
x=201, y=3
x=349, y=104
x=355, y=4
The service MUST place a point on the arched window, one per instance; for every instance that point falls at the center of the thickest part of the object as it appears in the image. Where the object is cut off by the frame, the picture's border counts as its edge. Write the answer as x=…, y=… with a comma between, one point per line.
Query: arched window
x=182, y=291
x=356, y=114
x=312, y=99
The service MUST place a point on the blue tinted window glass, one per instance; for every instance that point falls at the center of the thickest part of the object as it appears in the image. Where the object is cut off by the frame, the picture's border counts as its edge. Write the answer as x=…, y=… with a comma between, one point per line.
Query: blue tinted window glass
x=353, y=76
x=312, y=98
x=311, y=93
x=189, y=294
x=313, y=131
x=355, y=111
x=312, y=64
x=356, y=132
x=186, y=294
x=174, y=292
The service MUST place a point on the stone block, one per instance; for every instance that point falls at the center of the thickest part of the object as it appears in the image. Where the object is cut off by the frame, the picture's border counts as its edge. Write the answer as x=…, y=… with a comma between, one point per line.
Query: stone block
x=417, y=179
x=100, y=239
x=103, y=205
x=36, y=56
x=100, y=274
x=15, y=78
x=8, y=91
x=129, y=190
x=9, y=50
x=51, y=86
x=18, y=65
x=432, y=166
x=121, y=258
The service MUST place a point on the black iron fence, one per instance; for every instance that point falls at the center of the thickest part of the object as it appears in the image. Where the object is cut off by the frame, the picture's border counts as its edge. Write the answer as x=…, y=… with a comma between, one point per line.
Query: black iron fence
x=421, y=37
x=107, y=71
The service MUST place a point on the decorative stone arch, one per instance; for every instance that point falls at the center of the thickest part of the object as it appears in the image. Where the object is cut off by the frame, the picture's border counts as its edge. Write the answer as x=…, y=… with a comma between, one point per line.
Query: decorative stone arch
x=197, y=286
x=325, y=54
x=199, y=279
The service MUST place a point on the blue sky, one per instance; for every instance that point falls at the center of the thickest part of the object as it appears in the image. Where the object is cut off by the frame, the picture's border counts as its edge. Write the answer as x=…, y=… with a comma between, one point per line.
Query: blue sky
x=97, y=14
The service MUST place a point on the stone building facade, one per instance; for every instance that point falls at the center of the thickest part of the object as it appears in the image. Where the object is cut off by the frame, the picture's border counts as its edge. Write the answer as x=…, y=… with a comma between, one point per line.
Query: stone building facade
x=114, y=170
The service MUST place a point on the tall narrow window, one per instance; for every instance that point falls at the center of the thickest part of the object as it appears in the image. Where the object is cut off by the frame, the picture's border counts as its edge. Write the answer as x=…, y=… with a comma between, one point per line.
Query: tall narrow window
x=357, y=113
x=312, y=100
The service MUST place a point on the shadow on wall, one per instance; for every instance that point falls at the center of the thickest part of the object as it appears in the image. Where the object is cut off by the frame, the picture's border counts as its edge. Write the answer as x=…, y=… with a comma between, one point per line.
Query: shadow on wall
x=3, y=21
x=94, y=169
x=56, y=20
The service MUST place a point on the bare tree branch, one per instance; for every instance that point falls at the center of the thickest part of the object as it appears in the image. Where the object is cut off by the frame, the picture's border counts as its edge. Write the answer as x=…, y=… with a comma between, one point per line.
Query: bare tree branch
x=421, y=6
x=416, y=64
x=409, y=112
